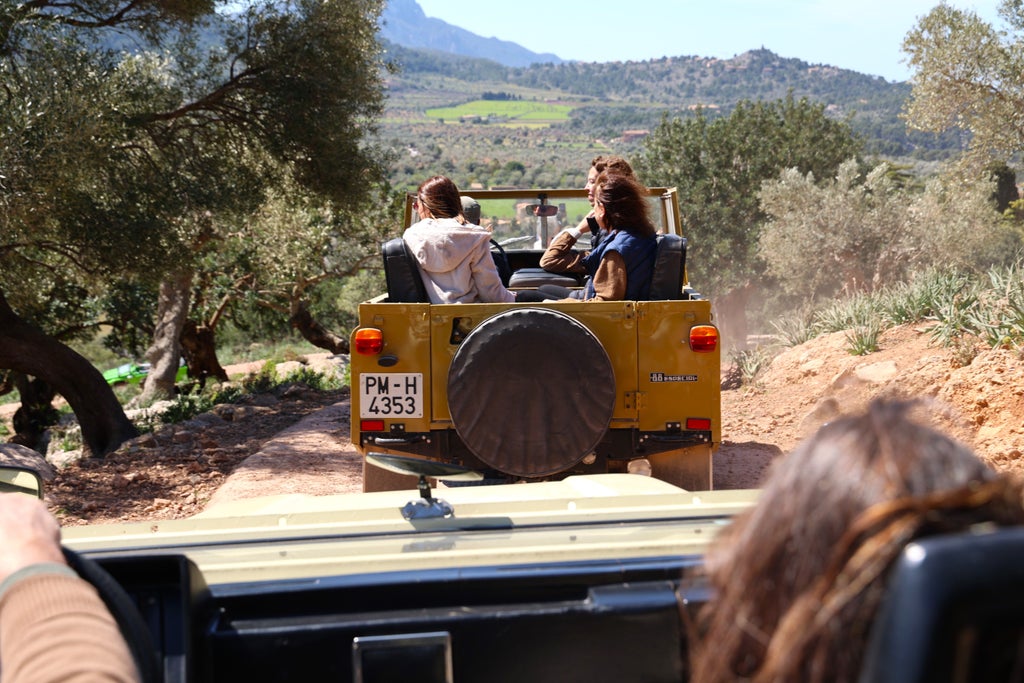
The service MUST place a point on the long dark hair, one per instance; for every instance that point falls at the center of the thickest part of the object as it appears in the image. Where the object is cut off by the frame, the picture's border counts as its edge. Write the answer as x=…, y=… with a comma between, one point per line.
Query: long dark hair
x=797, y=579
x=625, y=204
x=441, y=198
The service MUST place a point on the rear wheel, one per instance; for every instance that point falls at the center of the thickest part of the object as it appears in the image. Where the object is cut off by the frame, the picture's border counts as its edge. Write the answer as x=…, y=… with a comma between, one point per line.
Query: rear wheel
x=531, y=392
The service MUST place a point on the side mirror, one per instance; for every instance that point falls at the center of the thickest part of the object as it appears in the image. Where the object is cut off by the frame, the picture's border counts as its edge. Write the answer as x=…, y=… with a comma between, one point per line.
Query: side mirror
x=20, y=480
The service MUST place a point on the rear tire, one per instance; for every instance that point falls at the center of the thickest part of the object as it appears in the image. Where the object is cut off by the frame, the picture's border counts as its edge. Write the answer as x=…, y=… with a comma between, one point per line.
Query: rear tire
x=531, y=392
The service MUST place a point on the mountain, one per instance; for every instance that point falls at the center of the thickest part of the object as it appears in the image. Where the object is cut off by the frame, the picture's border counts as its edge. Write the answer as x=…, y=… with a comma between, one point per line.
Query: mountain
x=610, y=97
x=404, y=23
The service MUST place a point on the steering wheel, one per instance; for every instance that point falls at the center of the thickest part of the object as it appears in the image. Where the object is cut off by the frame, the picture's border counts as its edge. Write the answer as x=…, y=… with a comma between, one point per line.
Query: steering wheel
x=125, y=613
x=501, y=262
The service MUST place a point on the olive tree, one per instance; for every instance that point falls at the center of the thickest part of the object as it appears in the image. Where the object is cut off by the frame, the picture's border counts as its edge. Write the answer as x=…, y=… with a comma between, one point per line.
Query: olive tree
x=969, y=74
x=276, y=257
x=718, y=166
x=858, y=232
x=133, y=133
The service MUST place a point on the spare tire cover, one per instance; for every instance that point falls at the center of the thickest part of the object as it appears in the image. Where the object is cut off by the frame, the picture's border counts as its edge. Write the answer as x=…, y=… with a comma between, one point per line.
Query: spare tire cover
x=531, y=391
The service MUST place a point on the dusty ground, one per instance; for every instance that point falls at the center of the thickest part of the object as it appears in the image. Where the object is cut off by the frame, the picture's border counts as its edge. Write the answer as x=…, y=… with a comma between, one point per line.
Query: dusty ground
x=981, y=403
x=298, y=441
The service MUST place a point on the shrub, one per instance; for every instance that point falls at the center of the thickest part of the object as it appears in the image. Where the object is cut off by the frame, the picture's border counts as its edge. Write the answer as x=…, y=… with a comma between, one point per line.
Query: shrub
x=794, y=330
x=863, y=339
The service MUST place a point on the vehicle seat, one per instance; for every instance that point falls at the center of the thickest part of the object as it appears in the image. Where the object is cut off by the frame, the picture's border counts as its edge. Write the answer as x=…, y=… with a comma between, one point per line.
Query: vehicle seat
x=402, y=274
x=535, y=277
x=953, y=610
x=669, y=268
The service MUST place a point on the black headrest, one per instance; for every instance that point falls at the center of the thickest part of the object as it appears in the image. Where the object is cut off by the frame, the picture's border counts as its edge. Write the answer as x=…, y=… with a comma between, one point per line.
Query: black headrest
x=669, y=267
x=942, y=589
x=402, y=274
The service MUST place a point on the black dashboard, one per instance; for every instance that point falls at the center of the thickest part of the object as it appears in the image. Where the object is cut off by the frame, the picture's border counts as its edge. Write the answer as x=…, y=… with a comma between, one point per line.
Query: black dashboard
x=588, y=621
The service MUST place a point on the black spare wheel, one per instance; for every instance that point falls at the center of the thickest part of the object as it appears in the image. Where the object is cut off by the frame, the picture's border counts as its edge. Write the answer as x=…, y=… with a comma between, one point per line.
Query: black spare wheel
x=531, y=392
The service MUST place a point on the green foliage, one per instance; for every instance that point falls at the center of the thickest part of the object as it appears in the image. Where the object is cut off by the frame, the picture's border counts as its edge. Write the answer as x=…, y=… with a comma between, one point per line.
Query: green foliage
x=863, y=339
x=844, y=314
x=238, y=347
x=922, y=297
x=188, y=404
x=793, y=330
x=997, y=315
x=614, y=97
x=314, y=379
x=959, y=308
x=840, y=234
x=968, y=74
x=262, y=381
x=718, y=166
x=295, y=251
x=318, y=68
x=1005, y=180
x=751, y=362
x=362, y=286
x=952, y=316
x=857, y=233
x=501, y=111
x=140, y=138
x=96, y=352
x=185, y=407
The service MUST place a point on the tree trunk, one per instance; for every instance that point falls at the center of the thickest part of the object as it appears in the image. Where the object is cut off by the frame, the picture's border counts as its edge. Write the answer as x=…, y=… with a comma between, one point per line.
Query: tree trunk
x=199, y=346
x=164, y=354
x=28, y=350
x=315, y=333
x=36, y=412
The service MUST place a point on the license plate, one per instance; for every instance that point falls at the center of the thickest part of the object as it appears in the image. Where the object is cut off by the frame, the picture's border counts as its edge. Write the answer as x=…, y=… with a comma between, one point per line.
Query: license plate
x=392, y=394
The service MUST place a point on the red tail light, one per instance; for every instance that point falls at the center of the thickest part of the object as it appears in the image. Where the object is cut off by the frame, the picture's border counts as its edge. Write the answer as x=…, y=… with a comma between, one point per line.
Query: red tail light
x=369, y=341
x=703, y=338
x=698, y=423
x=371, y=425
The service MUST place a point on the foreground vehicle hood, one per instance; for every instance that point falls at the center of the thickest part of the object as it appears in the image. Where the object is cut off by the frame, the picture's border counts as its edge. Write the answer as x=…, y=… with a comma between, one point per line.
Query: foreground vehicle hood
x=294, y=537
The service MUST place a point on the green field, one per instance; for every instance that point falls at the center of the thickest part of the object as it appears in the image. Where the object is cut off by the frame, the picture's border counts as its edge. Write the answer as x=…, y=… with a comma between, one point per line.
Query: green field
x=504, y=208
x=510, y=112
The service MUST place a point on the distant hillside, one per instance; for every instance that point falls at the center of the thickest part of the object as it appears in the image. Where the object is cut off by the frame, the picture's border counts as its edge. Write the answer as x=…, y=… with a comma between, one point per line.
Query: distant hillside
x=404, y=23
x=613, y=96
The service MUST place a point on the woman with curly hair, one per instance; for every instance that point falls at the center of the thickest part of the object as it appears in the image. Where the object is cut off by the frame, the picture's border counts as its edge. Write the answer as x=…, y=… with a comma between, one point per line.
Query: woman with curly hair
x=621, y=265
x=797, y=580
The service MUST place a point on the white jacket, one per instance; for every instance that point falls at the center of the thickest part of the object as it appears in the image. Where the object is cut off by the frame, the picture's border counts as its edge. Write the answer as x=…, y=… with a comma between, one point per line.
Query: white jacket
x=455, y=262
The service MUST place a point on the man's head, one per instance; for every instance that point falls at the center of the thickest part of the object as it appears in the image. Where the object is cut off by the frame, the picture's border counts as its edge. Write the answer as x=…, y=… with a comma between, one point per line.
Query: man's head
x=471, y=209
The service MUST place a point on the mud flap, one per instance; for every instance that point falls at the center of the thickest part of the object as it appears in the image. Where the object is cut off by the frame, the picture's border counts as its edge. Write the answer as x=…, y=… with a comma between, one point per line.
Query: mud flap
x=379, y=479
x=689, y=468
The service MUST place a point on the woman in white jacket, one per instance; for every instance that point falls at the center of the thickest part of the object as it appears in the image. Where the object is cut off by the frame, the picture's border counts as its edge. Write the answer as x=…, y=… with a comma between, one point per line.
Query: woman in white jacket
x=454, y=255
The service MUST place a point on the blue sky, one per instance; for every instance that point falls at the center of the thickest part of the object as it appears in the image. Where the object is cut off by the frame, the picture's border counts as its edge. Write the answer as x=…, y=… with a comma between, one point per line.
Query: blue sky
x=862, y=35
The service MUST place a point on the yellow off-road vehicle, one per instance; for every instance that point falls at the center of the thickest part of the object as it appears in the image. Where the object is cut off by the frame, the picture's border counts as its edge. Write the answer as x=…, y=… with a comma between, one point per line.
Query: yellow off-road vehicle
x=541, y=390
